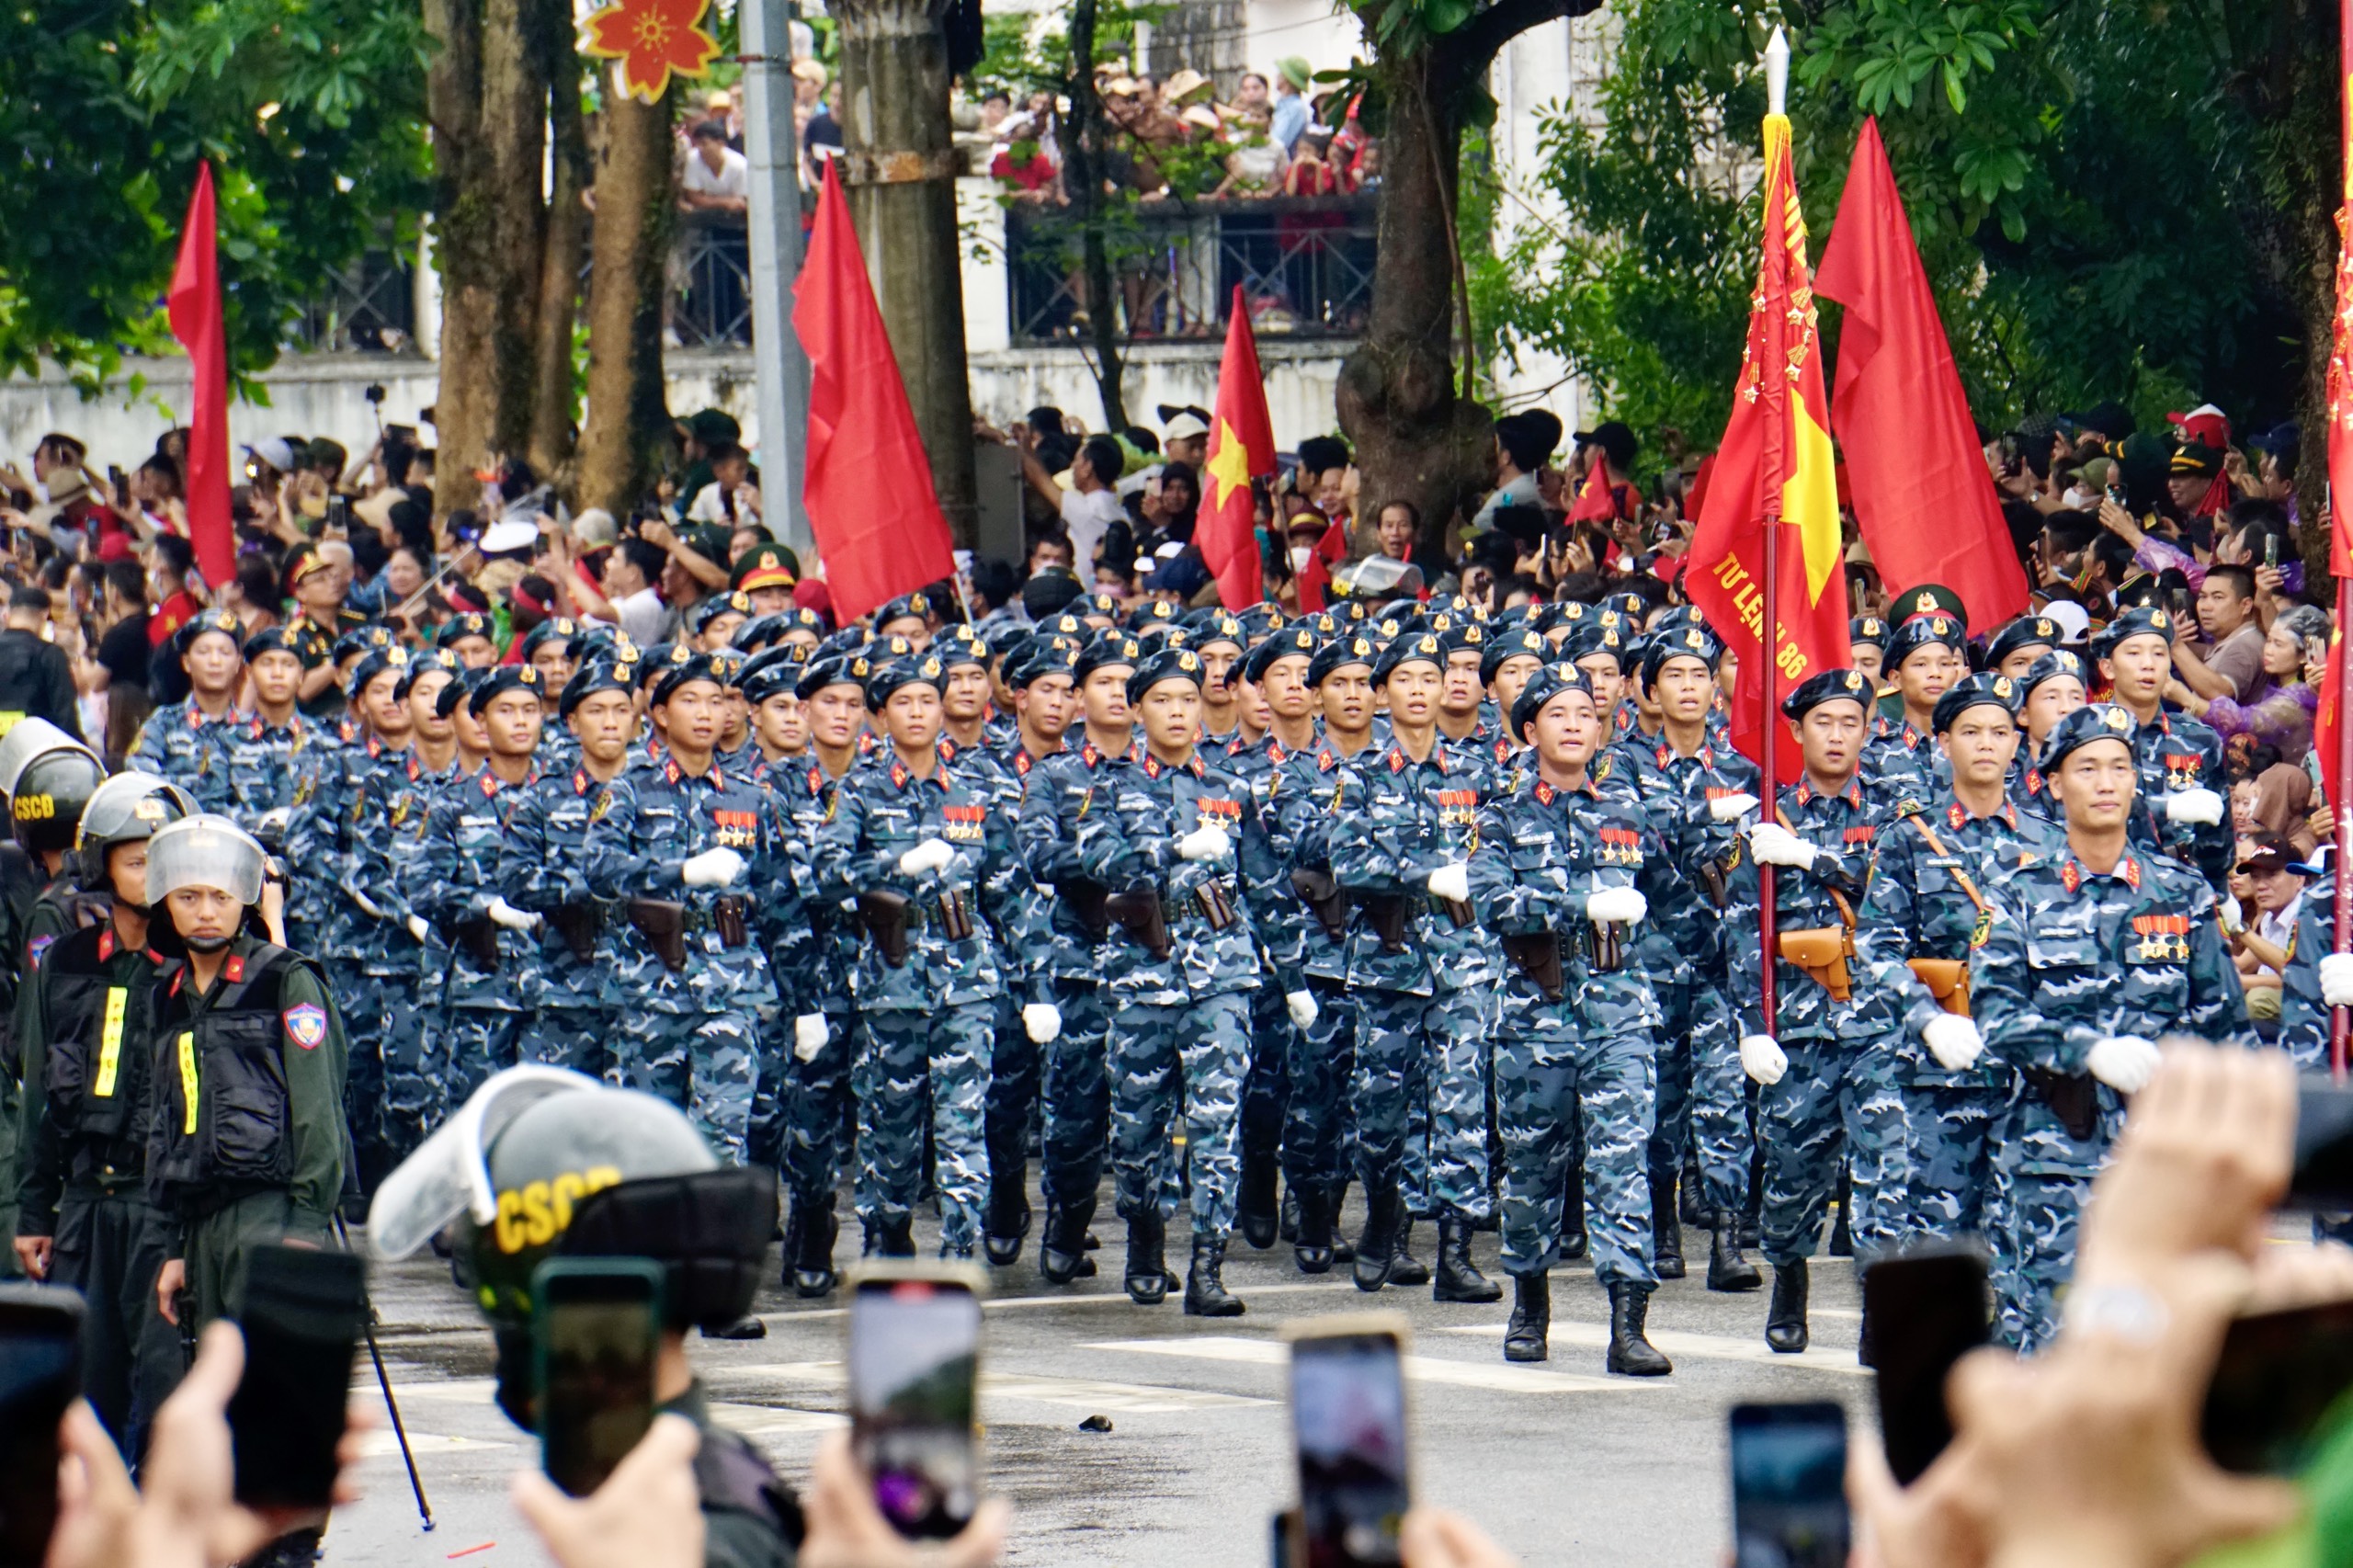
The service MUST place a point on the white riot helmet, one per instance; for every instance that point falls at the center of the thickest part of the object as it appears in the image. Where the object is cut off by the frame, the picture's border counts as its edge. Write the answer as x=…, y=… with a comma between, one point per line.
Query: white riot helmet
x=206, y=850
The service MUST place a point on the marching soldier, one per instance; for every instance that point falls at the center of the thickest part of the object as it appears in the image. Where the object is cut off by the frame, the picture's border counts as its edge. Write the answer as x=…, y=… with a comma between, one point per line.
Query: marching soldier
x=184, y=740
x=1166, y=832
x=84, y=1029
x=912, y=840
x=247, y=1140
x=2097, y=951
x=270, y=751
x=2184, y=811
x=2052, y=688
x=1925, y=656
x=1552, y=872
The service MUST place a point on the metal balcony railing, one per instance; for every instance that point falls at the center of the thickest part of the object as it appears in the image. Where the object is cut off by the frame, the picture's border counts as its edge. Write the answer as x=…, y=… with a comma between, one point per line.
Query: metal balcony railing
x=369, y=308
x=1304, y=263
x=711, y=281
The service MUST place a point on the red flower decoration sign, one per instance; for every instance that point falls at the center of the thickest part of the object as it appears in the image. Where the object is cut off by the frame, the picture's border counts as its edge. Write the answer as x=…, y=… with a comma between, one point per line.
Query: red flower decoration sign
x=653, y=40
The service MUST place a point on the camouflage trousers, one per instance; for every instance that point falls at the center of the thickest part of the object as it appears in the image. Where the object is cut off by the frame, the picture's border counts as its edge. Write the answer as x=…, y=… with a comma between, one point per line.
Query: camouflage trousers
x=705, y=1064
x=1315, y=1120
x=1833, y=1096
x=1273, y=1043
x=359, y=1003
x=417, y=1083
x=1420, y=1097
x=908, y=1061
x=2043, y=1176
x=1545, y=1095
x=577, y=1038
x=1180, y=1063
x=814, y=1108
x=474, y=1042
x=1948, y=1167
x=1076, y=1096
x=1015, y=1062
x=1702, y=1093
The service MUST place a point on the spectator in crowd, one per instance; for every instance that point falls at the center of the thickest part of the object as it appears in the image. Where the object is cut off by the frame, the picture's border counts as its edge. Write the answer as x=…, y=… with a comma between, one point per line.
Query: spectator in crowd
x=823, y=138
x=717, y=177
x=1289, y=120
x=2229, y=662
x=2280, y=713
x=35, y=676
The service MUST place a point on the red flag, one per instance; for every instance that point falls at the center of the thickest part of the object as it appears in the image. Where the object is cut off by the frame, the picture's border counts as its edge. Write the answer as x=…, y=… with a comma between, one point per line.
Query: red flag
x=1242, y=448
x=1921, y=490
x=1596, y=503
x=1774, y=470
x=880, y=531
x=195, y=308
x=2327, y=733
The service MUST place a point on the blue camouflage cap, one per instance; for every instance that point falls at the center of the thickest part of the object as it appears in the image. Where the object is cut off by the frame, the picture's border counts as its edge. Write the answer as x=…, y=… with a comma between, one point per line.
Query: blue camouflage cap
x=757, y=633
x=1108, y=650
x=225, y=623
x=1926, y=631
x=1297, y=640
x=1219, y=627
x=465, y=624
x=904, y=670
x=711, y=609
x=2056, y=664
x=597, y=675
x=769, y=672
x=1599, y=634
x=1552, y=681
x=2026, y=631
x=1690, y=641
x=1510, y=645
x=1418, y=647
x=1352, y=648
x=1983, y=690
x=1168, y=664
x=504, y=679
x=373, y=663
x=1041, y=657
x=462, y=685
x=906, y=606
x=2142, y=620
x=1868, y=630
x=2093, y=722
x=839, y=669
x=960, y=644
x=555, y=628
x=716, y=668
x=421, y=665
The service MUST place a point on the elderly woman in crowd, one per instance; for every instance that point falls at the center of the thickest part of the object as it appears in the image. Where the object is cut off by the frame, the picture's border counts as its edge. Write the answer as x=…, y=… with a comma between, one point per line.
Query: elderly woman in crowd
x=2281, y=716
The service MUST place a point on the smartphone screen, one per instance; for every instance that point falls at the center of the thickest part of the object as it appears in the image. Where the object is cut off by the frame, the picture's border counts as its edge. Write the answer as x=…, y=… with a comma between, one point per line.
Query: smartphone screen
x=1789, y=1485
x=597, y=1330
x=1348, y=1410
x=2280, y=1389
x=301, y=1321
x=914, y=1363
x=40, y=1375
x=2323, y=1175
x=1927, y=1308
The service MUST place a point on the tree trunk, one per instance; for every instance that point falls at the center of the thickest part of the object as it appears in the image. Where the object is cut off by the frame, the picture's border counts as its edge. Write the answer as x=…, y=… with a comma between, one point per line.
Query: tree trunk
x=2301, y=90
x=486, y=90
x=628, y=420
x=553, y=407
x=1417, y=439
x=900, y=174
x=1084, y=182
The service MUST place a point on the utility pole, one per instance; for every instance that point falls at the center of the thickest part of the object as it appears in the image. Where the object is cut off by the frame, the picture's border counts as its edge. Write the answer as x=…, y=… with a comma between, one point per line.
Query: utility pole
x=781, y=371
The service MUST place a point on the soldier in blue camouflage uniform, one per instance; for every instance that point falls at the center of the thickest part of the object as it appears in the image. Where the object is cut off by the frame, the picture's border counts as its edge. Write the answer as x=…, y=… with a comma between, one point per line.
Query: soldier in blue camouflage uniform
x=1925, y=656
x=1552, y=874
x=1175, y=836
x=2183, y=810
x=1693, y=792
x=485, y=1002
x=552, y=648
x=2052, y=688
x=1808, y=1059
x=268, y=751
x=182, y=741
x=912, y=839
x=2017, y=645
x=471, y=638
x=1317, y=1152
x=543, y=868
x=689, y=850
x=1931, y=901
x=1420, y=968
x=324, y=842
x=1063, y=974
x=2099, y=950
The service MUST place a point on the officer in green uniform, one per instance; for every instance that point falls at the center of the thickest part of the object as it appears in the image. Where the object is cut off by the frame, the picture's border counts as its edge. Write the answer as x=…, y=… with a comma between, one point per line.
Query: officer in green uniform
x=248, y=1145
x=84, y=1029
x=573, y=1169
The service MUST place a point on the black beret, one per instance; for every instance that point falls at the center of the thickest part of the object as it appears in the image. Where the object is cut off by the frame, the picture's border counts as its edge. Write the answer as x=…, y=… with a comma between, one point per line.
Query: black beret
x=1543, y=687
x=1983, y=690
x=1295, y=641
x=2146, y=621
x=504, y=679
x=2094, y=722
x=1423, y=647
x=1168, y=664
x=1868, y=628
x=599, y=674
x=767, y=673
x=841, y=670
x=1924, y=631
x=1690, y=641
x=2026, y=631
x=1603, y=634
x=716, y=668
x=420, y=665
x=907, y=669
x=2050, y=666
x=1354, y=648
x=1505, y=646
x=1105, y=650
x=1830, y=685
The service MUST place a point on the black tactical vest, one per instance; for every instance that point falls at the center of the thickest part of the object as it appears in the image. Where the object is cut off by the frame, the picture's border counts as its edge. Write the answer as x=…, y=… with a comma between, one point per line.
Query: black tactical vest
x=222, y=1114
x=96, y=1070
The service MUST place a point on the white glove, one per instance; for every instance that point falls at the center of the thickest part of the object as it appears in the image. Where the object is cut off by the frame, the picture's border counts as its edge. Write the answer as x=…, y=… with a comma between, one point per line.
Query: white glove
x=712, y=868
x=1043, y=1021
x=1774, y=845
x=364, y=901
x=2337, y=978
x=417, y=928
x=1207, y=842
x=2124, y=1062
x=1303, y=1010
x=513, y=919
x=1451, y=882
x=1617, y=906
x=2227, y=912
x=810, y=1033
x=2202, y=807
x=1731, y=808
x=1763, y=1060
x=931, y=855
x=1954, y=1041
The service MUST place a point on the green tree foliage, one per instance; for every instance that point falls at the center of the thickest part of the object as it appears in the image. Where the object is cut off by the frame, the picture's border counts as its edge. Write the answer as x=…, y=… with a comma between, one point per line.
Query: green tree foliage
x=2096, y=190
x=312, y=113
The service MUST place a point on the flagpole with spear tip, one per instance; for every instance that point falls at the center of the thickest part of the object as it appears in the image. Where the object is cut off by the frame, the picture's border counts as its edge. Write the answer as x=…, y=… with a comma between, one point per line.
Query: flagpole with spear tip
x=1773, y=387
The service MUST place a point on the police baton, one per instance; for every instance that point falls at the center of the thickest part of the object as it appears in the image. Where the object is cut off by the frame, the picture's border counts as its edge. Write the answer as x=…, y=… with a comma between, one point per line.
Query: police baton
x=367, y=1328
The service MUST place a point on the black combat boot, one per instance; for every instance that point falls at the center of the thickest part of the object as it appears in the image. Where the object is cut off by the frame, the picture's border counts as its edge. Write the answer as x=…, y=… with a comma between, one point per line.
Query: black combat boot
x=1384, y=1213
x=1631, y=1354
x=1205, y=1293
x=1404, y=1268
x=745, y=1328
x=1258, y=1212
x=1531, y=1318
x=1311, y=1237
x=1785, y=1320
x=813, y=1264
x=1693, y=1208
x=1459, y=1278
x=1062, y=1245
x=796, y=1219
x=1728, y=1267
x=1147, y=1276
x=1343, y=1249
x=1574, y=1242
x=896, y=1238
x=1006, y=1222
x=1666, y=1230
x=1287, y=1222
x=1842, y=1227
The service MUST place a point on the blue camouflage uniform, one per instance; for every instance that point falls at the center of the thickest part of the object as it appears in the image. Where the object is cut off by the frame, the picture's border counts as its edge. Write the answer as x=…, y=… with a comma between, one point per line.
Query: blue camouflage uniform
x=2175, y=753
x=543, y=867
x=410, y=976
x=494, y=972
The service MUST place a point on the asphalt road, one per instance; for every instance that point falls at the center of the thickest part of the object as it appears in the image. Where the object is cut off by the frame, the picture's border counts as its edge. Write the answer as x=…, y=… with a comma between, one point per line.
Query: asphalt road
x=1562, y=1462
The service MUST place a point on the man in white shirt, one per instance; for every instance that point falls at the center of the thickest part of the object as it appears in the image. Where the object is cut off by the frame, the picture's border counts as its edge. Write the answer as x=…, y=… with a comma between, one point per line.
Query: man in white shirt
x=630, y=572
x=717, y=177
x=1091, y=505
